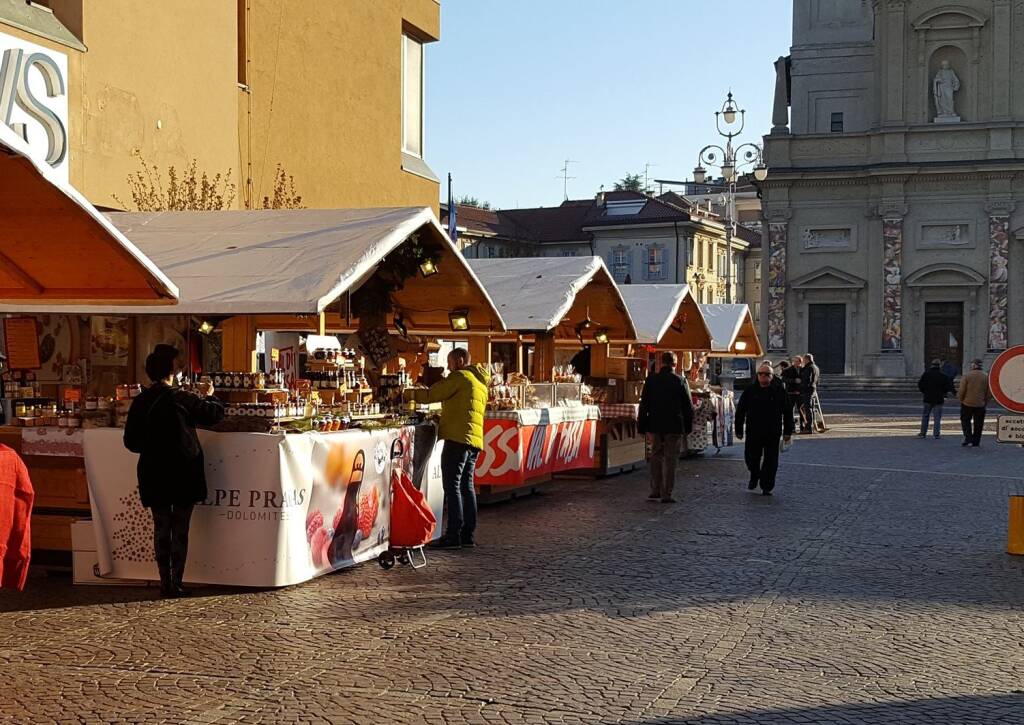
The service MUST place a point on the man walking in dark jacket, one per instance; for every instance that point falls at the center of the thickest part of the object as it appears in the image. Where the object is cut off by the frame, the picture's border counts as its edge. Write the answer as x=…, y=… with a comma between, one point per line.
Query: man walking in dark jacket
x=161, y=428
x=766, y=415
x=666, y=415
x=810, y=374
x=934, y=385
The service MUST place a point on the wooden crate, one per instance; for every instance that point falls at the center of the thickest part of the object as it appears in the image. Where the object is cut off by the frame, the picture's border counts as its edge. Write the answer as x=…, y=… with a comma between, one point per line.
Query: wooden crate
x=52, y=532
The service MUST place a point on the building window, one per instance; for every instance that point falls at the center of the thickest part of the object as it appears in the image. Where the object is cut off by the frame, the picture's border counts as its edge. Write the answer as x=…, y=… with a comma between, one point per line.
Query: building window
x=720, y=270
x=620, y=263
x=757, y=271
x=568, y=252
x=837, y=123
x=412, y=96
x=655, y=262
x=755, y=309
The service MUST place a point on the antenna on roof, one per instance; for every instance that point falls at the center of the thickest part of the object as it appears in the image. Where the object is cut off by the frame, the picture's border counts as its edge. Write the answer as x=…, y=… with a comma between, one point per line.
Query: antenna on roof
x=565, y=177
x=647, y=168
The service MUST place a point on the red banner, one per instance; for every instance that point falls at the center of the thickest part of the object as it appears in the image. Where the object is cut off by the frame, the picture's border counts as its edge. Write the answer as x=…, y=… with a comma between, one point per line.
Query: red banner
x=514, y=454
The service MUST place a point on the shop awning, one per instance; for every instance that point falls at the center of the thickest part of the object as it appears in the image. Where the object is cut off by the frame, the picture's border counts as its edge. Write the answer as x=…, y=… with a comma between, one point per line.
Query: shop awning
x=666, y=315
x=542, y=294
x=732, y=331
x=299, y=262
x=57, y=249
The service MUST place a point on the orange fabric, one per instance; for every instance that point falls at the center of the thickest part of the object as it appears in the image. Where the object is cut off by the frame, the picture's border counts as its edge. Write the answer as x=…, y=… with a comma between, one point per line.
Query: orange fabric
x=412, y=521
x=16, y=496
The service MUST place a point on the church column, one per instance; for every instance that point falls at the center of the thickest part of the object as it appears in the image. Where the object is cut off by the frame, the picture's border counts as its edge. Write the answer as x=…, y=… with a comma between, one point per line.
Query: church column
x=999, y=271
x=778, y=237
x=892, y=282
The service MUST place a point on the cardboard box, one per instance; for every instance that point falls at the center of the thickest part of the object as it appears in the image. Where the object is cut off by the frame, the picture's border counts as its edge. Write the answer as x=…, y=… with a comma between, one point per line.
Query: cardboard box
x=85, y=565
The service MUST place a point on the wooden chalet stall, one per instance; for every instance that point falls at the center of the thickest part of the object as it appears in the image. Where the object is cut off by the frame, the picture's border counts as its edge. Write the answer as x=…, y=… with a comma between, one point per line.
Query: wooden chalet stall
x=552, y=307
x=56, y=249
x=732, y=329
x=240, y=273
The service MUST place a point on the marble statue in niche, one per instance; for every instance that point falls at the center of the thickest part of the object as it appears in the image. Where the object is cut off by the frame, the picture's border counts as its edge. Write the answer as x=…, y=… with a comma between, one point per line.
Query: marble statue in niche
x=944, y=87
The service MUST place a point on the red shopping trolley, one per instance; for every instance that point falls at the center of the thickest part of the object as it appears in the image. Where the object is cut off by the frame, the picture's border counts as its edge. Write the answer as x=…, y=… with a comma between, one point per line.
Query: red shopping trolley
x=412, y=521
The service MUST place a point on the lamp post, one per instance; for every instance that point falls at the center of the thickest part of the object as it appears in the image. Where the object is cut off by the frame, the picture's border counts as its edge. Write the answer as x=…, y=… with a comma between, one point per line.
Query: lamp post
x=730, y=159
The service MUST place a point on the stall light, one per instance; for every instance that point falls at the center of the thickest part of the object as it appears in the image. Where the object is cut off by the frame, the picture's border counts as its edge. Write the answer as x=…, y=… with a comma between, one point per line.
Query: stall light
x=459, y=320
x=428, y=268
x=741, y=345
x=206, y=327
x=601, y=337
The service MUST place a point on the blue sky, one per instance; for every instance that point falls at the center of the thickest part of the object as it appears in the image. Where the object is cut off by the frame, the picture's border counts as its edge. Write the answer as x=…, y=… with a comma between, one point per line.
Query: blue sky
x=514, y=87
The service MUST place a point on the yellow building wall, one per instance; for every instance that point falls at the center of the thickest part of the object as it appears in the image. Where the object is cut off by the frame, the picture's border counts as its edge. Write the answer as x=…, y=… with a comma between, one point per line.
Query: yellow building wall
x=325, y=102
x=158, y=83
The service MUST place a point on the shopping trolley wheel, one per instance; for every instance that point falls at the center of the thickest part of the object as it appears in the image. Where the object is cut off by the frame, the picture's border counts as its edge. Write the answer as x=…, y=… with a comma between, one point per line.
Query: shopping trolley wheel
x=386, y=560
x=403, y=558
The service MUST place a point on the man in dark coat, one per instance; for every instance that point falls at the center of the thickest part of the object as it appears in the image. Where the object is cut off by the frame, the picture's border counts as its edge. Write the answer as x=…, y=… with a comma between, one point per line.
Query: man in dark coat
x=810, y=374
x=934, y=385
x=666, y=414
x=161, y=428
x=765, y=415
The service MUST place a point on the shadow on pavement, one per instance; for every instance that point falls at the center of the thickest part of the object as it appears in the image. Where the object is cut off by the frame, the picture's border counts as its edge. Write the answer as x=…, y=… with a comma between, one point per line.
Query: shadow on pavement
x=1006, y=708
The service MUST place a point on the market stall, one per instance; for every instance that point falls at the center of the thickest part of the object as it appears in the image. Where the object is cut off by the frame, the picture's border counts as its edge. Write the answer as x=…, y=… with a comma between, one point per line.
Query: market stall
x=57, y=249
x=241, y=273
x=667, y=319
x=542, y=418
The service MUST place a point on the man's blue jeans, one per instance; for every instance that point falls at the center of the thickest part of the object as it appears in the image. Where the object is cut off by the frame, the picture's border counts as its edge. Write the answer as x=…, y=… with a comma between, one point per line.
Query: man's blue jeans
x=458, y=461
x=931, y=410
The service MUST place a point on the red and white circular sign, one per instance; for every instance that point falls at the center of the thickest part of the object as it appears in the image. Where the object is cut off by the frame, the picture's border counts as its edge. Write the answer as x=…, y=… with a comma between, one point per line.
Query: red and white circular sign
x=1006, y=380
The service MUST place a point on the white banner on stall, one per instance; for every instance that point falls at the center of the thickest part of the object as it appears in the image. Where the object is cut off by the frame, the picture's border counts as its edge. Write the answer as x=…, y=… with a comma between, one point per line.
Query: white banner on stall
x=281, y=509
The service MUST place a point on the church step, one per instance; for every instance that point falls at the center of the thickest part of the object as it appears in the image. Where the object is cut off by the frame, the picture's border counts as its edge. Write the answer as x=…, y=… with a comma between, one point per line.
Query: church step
x=858, y=384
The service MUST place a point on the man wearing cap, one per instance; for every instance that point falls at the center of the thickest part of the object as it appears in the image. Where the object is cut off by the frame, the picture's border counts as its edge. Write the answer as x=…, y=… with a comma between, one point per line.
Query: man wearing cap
x=974, y=395
x=934, y=386
x=764, y=411
x=161, y=428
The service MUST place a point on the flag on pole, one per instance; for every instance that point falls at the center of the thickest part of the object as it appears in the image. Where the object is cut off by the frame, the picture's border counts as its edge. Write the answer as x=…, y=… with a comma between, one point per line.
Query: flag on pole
x=453, y=230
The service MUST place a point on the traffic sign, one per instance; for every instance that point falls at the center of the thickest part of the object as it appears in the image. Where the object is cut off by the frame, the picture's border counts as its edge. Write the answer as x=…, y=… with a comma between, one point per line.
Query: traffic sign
x=1010, y=429
x=1006, y=380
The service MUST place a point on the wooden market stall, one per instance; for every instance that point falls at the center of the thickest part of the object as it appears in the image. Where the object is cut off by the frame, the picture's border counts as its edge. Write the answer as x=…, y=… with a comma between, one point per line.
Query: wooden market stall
x=733, y=332
x=56, y=248
x=240, y=273
x=551, y=304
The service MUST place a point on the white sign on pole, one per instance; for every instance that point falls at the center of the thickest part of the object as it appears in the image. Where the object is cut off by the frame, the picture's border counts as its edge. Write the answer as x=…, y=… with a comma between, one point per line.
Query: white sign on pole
x=1010, y=429
x=34, y=99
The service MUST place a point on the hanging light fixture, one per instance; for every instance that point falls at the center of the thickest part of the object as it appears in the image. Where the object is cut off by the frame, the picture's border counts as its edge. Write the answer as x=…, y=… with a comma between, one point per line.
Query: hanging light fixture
x=741, y=345
x=400, y=325
x=428, y=268
x=760, y=172
x=601, y=337
x=700, y=175
x=459, y=320
x=205, y=327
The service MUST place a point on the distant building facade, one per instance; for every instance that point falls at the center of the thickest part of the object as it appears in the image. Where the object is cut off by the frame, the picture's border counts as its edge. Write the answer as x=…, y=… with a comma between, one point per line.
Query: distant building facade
x=643, y=240
x=894, y=198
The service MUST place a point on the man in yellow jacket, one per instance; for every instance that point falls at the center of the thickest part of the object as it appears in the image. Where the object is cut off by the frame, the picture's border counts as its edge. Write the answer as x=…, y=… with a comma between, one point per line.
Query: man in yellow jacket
x=463, y=399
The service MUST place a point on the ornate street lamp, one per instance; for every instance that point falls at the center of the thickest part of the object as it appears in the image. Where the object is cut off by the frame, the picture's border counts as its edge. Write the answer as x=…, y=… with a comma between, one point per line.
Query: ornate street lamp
x=730, y=159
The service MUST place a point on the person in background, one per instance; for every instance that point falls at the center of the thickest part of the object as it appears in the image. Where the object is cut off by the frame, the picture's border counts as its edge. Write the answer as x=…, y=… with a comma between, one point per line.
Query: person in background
x=934, y=386
x=974, y=395
x=666, y=415
x=810, y=375
x=765, y=415
x=463, y=399
x=949, y=370
x=790, y=375
x=161, y=428
x=581, y=361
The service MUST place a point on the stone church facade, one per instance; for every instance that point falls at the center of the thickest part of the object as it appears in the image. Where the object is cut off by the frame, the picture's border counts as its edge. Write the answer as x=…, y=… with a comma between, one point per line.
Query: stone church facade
x=894, y=205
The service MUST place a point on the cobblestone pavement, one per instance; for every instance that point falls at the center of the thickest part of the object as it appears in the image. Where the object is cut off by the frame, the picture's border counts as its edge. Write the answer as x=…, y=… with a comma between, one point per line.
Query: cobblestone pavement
x=872, y=588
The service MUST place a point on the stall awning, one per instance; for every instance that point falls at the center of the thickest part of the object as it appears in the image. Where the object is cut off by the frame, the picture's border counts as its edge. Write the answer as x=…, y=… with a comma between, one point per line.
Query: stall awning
x=732, y=331
x=542, y=294
x=57, y=249
x=666, y=315
x=297, y=261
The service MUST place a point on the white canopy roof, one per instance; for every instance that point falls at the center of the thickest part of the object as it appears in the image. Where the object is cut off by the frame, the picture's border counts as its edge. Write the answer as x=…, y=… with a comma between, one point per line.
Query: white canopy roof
x=728, y=324
x=653, y=308
x=55, y=247
x=536, y=293
x=294, y=261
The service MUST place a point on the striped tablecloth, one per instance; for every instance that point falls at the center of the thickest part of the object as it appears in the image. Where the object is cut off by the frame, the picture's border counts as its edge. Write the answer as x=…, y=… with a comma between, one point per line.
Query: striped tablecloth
x=619, y=410
x=545, y=416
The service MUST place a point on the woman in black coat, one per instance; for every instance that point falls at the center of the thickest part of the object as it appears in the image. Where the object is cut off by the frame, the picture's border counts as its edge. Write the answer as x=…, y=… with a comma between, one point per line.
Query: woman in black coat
x=161, y=428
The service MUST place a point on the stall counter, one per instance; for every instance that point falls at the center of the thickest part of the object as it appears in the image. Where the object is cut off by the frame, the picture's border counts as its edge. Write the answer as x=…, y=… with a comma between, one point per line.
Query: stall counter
x=525, y=447
x=281, y=509
x=621, y=447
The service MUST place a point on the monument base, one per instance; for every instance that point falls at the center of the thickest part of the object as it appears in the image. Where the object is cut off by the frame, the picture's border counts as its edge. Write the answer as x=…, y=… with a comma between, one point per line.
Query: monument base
x=947, y=119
